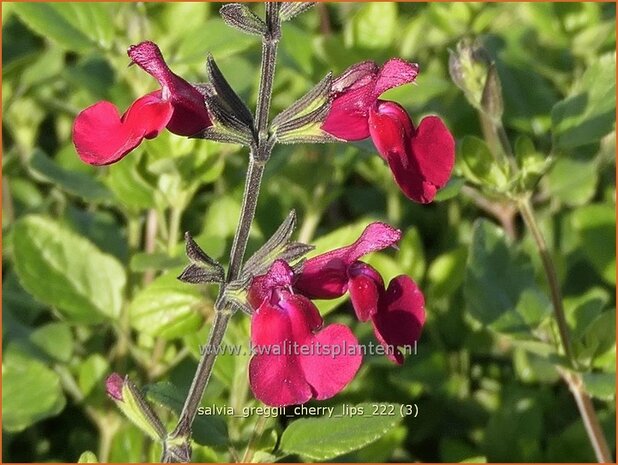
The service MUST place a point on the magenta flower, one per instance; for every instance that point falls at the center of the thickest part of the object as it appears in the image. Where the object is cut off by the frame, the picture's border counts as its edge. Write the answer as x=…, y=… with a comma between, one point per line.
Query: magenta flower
x=397, y=313
x=295, y=357
x=421, y=159
x=101, y=136
x=327, y=276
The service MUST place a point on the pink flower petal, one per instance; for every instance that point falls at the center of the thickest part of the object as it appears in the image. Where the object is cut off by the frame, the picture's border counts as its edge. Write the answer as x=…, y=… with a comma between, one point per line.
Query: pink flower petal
x=329, y=373
x=148, y=115
x=401, y=316
x=395, y=72
x=352, y=97
x=303, y=315
x=325, y=276
x=434, y=149
x=275, y=373
x=365, y=287
x=421, y=160
x=190, y=114
x=278, y=380
x=101, y=137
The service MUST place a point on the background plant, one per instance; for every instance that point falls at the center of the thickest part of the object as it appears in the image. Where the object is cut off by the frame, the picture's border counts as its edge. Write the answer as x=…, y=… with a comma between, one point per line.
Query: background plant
x=484, y=372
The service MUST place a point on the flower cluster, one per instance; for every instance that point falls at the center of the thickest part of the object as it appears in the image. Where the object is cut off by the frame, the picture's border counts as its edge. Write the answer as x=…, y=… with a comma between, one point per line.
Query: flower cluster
x=284, y=315
x=421, y=159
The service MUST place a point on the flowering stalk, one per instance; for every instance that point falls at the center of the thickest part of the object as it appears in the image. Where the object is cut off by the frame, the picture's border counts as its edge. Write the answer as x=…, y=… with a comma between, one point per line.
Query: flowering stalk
x=178, y=442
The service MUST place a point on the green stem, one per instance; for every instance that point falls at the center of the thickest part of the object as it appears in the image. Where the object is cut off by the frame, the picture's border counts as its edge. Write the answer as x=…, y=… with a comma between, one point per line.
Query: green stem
x=258, y=430
x=589, y=417
x=552, y=277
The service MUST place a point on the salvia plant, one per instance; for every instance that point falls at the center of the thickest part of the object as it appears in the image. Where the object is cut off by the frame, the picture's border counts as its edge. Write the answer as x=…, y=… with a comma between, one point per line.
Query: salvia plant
x=277, y=300
x=297, y=356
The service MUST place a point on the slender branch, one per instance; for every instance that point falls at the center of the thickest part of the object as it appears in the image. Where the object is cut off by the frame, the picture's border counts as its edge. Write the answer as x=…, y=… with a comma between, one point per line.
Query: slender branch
x=589, y=416
x=573, y=380
x=249, y=203
x=256, y=434
x=177, y=447
x=202, y=376
x=550, y=271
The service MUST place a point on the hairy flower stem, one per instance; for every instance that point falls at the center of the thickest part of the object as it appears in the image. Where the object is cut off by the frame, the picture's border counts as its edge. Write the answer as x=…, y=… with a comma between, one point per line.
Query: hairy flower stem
x=177, y=448
x=572, y=378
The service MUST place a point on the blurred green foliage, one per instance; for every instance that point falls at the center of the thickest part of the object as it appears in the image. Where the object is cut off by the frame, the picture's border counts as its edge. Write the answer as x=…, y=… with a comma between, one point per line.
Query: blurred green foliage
x=90, y=255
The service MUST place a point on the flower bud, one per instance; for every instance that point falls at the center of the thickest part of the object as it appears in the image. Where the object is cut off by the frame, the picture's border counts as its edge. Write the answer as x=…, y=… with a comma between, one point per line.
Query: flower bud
x=469, y=67
x=130, y=400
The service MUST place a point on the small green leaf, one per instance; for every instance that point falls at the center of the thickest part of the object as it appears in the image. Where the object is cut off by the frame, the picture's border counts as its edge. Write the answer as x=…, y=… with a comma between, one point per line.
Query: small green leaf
x=452, y=188
x=167, y=307
x=327, y=437
x=411, y=254
x=596, y=226
x=478, y=164
x=67, y=271
x=573, y=181
x=445, y=274
x=75, y=183
x=92, y=371
x=155, y=261
x=373, y=27
x=30, y=391
x=589, y=112
x=601, y=385
x=87, y=457
x=47, y=20
x=129, y=184
x=499, y=284
x=55, y=339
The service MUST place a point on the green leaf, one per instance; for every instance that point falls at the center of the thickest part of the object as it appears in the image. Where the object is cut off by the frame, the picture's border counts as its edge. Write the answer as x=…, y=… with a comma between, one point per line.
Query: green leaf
x=91, y=373
x=445, y=274
x=596, y=227
x=129, y=184
x=573, y=181
x=55, y=339
x=155, y=261
x=520, y=419
x=75, y=26
x=87, y=457
x=80, y=184
x=373, y=27
x=411, y=255
x=601, y=385
x=167, y=307
x=499, y=283
x=478, y=164
x=30, y=391
x=452, y=188
x=589, y=112
x=63, y=269
x=327, y=437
